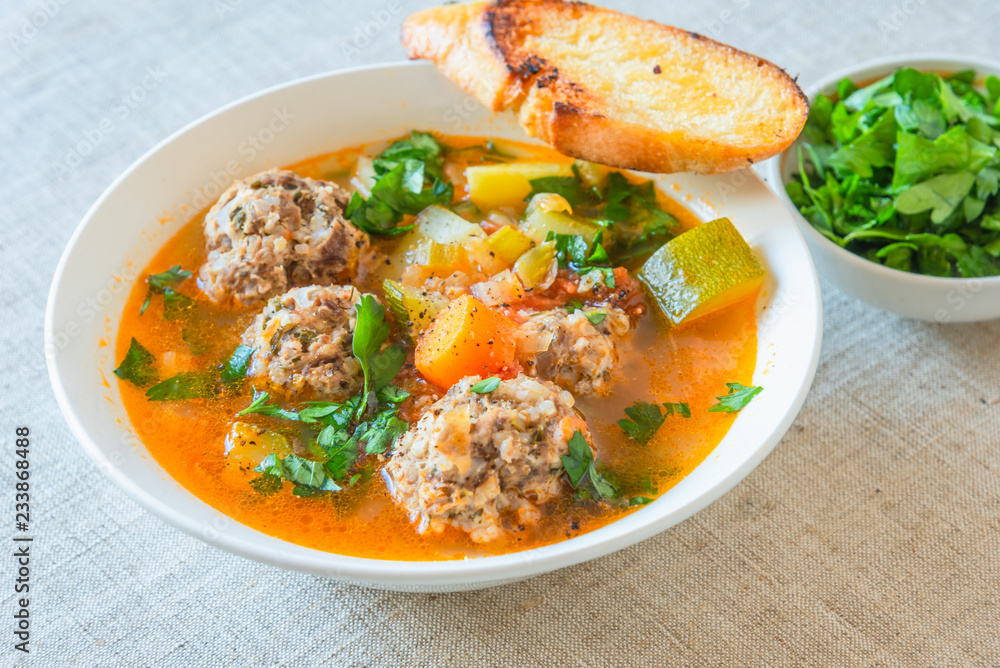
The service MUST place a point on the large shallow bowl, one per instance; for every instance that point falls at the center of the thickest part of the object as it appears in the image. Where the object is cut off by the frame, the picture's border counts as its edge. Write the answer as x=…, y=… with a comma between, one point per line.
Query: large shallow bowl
x=168, y=185
x=900, y=292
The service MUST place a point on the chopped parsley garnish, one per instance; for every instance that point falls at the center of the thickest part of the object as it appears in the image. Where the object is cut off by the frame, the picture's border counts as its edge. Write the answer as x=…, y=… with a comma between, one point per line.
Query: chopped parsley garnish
x=308, y=476
x=646, y=419
x=570, y=188
x=906, y=172
x=596, y=317
x=260, y=406
x=409, y=178
x=370, y=332
x=575, y=252
x=737, y=399
x=267, y=484
x=235, y=368
x=582, y=470
x=158, y=283
x=639, y=500
x=573, y=305
x=139, y=366
x=186, y=385
x=641, y=226
x=486, y=385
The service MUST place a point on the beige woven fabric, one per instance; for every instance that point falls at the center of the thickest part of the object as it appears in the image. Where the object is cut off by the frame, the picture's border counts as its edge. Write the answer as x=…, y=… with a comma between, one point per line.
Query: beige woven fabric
x=870, y=537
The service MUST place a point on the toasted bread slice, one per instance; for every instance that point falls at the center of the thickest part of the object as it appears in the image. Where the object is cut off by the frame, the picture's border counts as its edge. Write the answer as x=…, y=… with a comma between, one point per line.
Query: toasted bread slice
x=611, y=88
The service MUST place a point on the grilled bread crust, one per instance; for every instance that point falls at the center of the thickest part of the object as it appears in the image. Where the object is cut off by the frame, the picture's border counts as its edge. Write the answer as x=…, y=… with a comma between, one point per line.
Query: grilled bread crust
x=611, y=88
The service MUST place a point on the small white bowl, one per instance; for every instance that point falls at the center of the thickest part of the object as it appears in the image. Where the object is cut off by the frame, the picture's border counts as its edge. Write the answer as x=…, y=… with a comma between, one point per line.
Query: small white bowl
x=903, y=293
x=165, y=188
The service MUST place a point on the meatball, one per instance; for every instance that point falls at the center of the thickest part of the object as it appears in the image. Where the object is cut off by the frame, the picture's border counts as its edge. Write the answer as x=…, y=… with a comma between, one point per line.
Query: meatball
x=481, y=462
x=577, y=351
x=276, y=230
x=303, y=341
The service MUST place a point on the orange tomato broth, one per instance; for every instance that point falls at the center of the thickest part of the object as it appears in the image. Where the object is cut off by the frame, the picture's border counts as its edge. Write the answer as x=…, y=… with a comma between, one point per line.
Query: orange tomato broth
x=691, y=363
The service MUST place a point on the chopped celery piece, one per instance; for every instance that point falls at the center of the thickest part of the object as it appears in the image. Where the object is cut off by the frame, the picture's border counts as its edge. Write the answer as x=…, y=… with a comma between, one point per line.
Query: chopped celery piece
x=509, y=243
x=413, y=308
x=537, y=266
x=541, y=220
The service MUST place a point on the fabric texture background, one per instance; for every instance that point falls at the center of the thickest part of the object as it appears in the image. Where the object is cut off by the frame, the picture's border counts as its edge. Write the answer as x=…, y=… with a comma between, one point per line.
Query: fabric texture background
x=870, y=537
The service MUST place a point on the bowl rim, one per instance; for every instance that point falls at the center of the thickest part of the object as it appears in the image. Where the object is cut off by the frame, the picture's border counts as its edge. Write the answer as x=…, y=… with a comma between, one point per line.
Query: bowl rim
x=775, y=167
x=470, y=573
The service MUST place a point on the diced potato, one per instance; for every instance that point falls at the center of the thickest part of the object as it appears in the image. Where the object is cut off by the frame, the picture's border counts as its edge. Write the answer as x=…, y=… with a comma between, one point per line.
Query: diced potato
x=493, y=186
x=247, y=445
x=466, y=339
x=700, y=271
x=538, y=267
x=509, y=243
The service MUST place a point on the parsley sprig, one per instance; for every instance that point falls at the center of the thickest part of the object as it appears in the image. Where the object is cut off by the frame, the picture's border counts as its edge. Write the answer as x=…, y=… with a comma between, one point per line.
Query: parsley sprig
x=583, y=471
x=163, y=284
x=369, y=420
x=737, y=398
x=409, y=179
x=645, y=419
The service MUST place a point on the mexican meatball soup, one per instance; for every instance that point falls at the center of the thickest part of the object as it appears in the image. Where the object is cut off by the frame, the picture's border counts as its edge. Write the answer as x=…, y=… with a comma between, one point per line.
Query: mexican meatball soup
x=439, y=348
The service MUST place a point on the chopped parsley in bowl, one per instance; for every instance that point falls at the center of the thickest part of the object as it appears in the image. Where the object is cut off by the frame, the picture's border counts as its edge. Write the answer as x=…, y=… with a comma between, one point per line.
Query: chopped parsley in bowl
x=905, y=171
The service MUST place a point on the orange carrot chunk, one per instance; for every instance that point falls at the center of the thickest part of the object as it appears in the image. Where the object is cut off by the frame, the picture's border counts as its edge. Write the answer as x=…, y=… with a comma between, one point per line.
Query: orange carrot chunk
x=466, y=339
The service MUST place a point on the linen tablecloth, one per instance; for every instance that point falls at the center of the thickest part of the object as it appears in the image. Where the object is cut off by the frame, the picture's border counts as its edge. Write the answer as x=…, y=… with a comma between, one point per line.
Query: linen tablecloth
x=870, y=537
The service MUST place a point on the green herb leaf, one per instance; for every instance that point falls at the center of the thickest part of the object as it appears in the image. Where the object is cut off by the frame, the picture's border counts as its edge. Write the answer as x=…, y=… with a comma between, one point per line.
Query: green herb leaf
x=259, y=406
x=582, y=469
x=267, y=484
x=381, y=432
x=639, y=500
x=370, y=332
x=409, y=179
x=678, y=408
x=158, y=282
x=646, y=420
x=138, y=367
x=568, y=187
x=187, y=385
x=235, y=368
x=486, y=385
x=737, y=399
x=596, y=317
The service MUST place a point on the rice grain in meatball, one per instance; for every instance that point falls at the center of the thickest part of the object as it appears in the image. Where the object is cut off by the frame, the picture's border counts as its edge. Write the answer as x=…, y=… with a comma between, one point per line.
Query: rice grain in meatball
x=303, y=341
x=276, y=230
x=577, y=351
x=479, y=462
